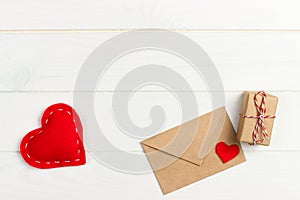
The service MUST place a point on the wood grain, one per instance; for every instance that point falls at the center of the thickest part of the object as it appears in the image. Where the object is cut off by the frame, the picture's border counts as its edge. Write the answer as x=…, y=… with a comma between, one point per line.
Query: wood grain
x=19, y=117
x=95, y=181
x=245, y=61
x=254, y=44
x=135, y=14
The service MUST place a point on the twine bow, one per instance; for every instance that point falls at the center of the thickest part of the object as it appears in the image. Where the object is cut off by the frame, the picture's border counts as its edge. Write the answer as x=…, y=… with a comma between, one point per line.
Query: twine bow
x=260, y=125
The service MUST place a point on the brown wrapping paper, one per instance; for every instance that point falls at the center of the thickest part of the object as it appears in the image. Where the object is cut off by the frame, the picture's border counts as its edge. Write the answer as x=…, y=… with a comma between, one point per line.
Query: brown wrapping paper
x=188, y=167
x=246, y=125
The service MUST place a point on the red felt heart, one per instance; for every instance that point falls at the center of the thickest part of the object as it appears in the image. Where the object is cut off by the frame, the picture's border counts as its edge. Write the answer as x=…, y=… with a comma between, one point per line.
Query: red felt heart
x=58, y=143
x=227, y=153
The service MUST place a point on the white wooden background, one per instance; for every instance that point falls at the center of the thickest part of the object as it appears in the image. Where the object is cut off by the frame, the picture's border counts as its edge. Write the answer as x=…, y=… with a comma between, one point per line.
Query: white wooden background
x=254, y=44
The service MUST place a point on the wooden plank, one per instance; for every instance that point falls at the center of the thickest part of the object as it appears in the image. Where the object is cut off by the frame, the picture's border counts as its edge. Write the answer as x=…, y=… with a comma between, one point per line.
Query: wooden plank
x=94, y=180
x=171, y=14
x=245, y=61
x=21, y=113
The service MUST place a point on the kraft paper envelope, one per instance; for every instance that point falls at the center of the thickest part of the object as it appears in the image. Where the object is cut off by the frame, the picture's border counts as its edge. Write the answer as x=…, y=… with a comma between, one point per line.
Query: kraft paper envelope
x=175, y=154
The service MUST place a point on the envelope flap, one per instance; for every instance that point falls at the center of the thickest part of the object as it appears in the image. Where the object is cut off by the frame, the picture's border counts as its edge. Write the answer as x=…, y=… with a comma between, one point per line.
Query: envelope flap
x=185, y=141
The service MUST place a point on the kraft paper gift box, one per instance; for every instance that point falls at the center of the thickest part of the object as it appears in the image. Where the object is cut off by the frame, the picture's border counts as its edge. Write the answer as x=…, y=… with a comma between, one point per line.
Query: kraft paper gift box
x=186, y=154
x=249, y=109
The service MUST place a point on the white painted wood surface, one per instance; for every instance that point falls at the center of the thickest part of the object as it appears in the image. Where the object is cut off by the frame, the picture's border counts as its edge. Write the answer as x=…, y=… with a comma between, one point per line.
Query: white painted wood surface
x=93, y=181
x=51, y=61
x=132, y=14
x=254, y=45
x=27, y=115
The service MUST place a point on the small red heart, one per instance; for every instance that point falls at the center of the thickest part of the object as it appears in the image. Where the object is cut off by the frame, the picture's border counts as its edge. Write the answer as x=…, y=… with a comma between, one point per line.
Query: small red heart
x=58, y=143
x=227, y=153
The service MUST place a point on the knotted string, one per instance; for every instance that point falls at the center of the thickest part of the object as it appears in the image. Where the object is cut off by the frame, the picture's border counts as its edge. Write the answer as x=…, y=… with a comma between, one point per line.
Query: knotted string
x=260, y=125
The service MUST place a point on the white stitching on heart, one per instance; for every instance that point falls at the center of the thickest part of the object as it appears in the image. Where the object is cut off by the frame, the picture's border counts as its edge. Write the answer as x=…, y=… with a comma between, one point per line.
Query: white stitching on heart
x=56, y=162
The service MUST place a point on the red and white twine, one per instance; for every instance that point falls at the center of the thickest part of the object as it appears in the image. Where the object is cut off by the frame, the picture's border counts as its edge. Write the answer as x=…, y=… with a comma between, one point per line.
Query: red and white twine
x=260, y=125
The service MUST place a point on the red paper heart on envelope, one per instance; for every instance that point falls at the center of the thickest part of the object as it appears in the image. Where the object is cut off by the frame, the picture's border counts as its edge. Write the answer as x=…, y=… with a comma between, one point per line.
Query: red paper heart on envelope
x=227, y=153
x=58, y=143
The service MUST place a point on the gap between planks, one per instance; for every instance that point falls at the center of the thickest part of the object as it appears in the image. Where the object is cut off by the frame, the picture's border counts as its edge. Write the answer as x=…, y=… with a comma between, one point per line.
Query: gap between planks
x=144, y=30
x=245, y=150
x=139, y=91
